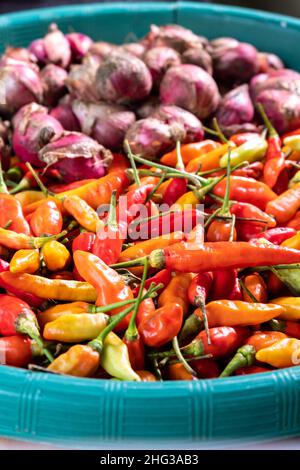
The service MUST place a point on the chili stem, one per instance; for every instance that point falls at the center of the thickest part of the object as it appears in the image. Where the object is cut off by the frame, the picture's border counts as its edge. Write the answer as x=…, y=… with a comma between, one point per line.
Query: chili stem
x=132, y=331
x=245, y=288
x=39, y=182
x=132, y=163
x=181, y=358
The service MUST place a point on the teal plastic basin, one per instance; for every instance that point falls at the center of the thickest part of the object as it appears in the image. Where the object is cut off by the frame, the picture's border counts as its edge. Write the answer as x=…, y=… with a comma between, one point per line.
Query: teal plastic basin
x=89, y=412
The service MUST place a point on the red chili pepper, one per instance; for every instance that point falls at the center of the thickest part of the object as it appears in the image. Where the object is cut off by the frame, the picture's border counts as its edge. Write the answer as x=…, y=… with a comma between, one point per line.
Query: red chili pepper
x=27, y=182
x=109, y=240
x=163, y=326
x=15, y=351
x=205, y=368
x=16, y=317
x=242, y=138
x=295, y=222
x=47, y=219
x=247, y=229
x=276, y=235
x=146, y=310
x=200, y=288
x=136, y=351
x=11, y=212
x=223, y=284
x=171, y=222
x=275, y=158
x=174, y=191
x=224, y=341
x=84, y=242
x=246, y=190
x=129, y=206
x=162, y=277
x=236, y=293
x=61, y=188
x=251, y=370
x=254, y=170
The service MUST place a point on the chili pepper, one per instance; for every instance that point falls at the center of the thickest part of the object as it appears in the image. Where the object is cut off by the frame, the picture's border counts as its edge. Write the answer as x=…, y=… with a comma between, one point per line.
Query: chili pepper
x=263, y=339
x=29, y=197
x=108, y=283
x=17, y=350
x=284, y=353
x=257, y=220
x=11, y=210
x=285, y=206
x=27, y=182
x=292, y=242
x=199, y=289
x=177, y=372
x=190, y=152
x=205, y=368
x=127, y=209
x=58, y=289
x=166, y=223
x=18, y=241
x=163, y=326
x=47, y=219
x=161, y=277
x=290, y=328
x=152, y=180
x=108, y=242
x=292, y=140
x=224, y=341
x=246, y=190
x=251, y=151
x=55, y=255
x=212, y=257
x=132, y=338
x=188, y=199
x=84, y=242
x=177, y=186
x=177, y=292
x=66, y=275
x=70, y=328
x=146, y=310
x=207, y=161
x=251, y=370
x=294, y=222
x=82, y=213
x=52, y=313
x=239, y=313
x=119, y=163
x=275, y=286
x=280, y=236
x=243, y=137
x=223, y=283
x=255, y=284
x=275, y=158
x=291, y=307
x=16, y=317
x=79, y=361
x=25, y=261
x=253, y=170
x=282, y=182
x=144, y=248
x=59, y=188
x=196, y=235
x=223, y=230
x=146, y=376
x=4, y=265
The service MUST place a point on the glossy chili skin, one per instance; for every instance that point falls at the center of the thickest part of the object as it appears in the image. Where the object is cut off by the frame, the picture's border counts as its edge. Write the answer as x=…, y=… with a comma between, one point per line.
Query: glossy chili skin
x=15, y=350
x=11, y=210
x=163, y=326
x=46, y=220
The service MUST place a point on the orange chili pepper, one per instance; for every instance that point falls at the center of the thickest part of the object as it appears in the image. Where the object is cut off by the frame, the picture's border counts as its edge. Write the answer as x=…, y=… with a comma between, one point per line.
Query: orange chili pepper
x=55, y=255
x=47, y=219
x=177, y=292
x=177, y=371
x=257, y=287
x=119, y=163
x=11, y=211
x=83, y=213
x=146, y=376
x=294, y=222
x=29, y=197
x=79, y=361
x=238, y=313
x=207, y=161
x=285, y=206
x=108, y=283
x=53, y=313
x=163, y=326
x=264, y=339
x=190, y=152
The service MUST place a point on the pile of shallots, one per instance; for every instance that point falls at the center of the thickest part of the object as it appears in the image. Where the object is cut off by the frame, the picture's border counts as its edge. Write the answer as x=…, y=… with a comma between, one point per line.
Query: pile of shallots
x=67, y=102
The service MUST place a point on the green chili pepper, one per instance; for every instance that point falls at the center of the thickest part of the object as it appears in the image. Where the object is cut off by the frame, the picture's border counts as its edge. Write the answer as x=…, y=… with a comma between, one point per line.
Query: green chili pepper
x=244, y=357
x=250, y=151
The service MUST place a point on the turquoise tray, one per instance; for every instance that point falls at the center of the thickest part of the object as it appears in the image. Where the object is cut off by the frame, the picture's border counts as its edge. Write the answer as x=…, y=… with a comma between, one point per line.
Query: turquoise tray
x=89, y=412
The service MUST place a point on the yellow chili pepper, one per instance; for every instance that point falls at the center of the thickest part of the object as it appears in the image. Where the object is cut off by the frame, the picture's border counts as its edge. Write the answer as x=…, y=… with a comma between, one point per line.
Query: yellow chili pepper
x=293, y=242
x=25, y=261
x=72, y=308
x=85, y=215
x=79, y=361
x=251, y=151
x=74, y=328
x=58, y=289
x=291, y=307
x=188, y=198
x=177, y=291
x=55, y=255
x=284, y=353
x=208, y=161
x=28, y=197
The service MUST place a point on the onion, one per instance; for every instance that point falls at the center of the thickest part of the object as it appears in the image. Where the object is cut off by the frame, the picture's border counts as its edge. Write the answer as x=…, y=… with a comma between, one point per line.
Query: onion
x=80, y=81
x=268, y=62
x=64, y=114
x=20, y=84
x=33, y=128
x=76, y=156
x=158, y=60
x=53, y=80
x=174, y=36
x=135, y=48
x=190, y=123
x=191, y=88
x=79, y=44
x=123, y=79
x=198, y=56
x=282, y=108
x=236, y=107
x=106, y=123
x=53, y=48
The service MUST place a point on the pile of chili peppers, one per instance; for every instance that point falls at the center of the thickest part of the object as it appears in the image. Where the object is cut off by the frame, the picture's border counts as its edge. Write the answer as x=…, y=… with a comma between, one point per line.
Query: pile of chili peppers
x=82, y=296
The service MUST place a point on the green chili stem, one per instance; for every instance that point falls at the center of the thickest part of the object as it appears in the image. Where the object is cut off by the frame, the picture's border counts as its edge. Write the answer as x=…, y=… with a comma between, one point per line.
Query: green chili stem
x=245, y=288
x=181, y=358
x=158, y=184
x=3, y=187
x=219, y=132
x=132, y=331
x=130, y=263
x=132, y=163
x=179, y=165
x=39, y=182
x=8, y=224
x=272, y=131
x=40, y=343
